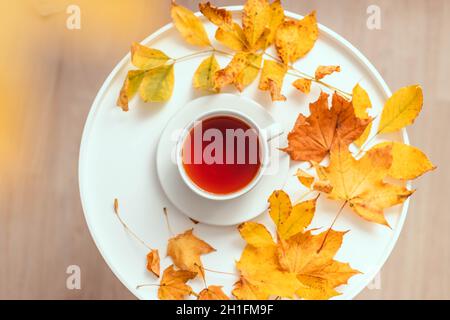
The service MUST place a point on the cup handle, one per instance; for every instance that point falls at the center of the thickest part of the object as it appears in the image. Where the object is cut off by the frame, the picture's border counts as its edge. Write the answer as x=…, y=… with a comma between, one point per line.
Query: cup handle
x=273, y=131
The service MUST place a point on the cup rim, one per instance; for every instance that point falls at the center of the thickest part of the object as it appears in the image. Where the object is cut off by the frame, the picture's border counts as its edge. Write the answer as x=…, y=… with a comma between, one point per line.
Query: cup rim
x=210, y=195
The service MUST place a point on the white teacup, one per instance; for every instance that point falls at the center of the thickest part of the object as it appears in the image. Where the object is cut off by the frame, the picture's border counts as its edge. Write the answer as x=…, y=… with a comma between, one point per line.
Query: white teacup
x=264, y=136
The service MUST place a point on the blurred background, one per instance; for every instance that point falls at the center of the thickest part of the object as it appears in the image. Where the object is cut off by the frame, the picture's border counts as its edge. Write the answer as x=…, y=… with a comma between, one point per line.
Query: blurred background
x=51, y=72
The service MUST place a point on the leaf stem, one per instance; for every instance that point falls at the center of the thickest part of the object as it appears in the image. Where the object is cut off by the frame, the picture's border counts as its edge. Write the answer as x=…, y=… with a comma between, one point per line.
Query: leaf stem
x=116, y=211
x=332, y=225
x=166, y=214
x=221, y=272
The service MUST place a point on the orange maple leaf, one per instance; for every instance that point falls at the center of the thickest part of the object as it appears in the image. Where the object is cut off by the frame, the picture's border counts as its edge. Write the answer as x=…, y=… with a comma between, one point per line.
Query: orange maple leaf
x=313, y=137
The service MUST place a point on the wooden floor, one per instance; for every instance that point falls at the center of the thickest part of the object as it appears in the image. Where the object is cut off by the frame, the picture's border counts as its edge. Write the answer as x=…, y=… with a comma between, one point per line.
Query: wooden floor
x=50, y=76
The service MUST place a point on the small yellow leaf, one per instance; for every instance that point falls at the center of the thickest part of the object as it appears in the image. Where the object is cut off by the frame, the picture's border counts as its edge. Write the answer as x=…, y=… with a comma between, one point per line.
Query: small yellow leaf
x=232, y=38
x=204, y=75
x=157, y=85
x=272, y=78
x=130, y=88
x=408, y=162
x=189, y=25
x=146, y=58
x=173, y=284
x=323, y=186
x=299, y=218
x=305, y=178
x=241, y=71
x=401, y=109
x=323, y=71
x=303, y=85
x=212, y=293
x=153, y=262
x=256, y=15
x=280, y=207
x=276, y=19
x=294, y=39
x=256, y=234
x=361, y=102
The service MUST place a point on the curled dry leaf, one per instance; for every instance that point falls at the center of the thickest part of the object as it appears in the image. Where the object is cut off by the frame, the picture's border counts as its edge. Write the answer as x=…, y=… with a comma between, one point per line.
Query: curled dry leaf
x=157, y=84
x=173, y=284
x=401, y=109
x=303, y=85
x=313, y=137
x=204, y=75
x=189, y=25
x=305, y=178
x=212, y=293
x=294, y=39
x=323, y=71
x=241, y=71
x=153, y=262
x=185, y=250
x=361, y=182
x=220, y=17
x=272, y=78
x=361, y=102
x=408, y=162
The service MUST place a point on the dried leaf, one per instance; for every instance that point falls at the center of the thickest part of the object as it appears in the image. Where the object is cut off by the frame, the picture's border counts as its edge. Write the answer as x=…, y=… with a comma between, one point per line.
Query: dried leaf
x=272, y=77
x=157, y=85
x=244, y=290
x=233, y=38
x=303, y=85
x=212, y=293
x=313, y=137
x=153, y=262
x=173, y=284
x=360, y=182
x=311, y=258
x=185, y=250
x=220, y=17
x=204, y=75
x=146, y=58
x=305, y=178
x=294, y=39
x=189, y=25
x=241, y=71
x=280, y=207
x=361, y=102
x=256, y=16
x=323, y=186
x=323, y=71
x=255, y=234
x=408, y=162
x=276, y=19
x=401, y=109
x=130, y=88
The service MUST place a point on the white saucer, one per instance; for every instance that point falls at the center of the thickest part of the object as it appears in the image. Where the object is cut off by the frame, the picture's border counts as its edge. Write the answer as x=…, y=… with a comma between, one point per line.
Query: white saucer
x=219, y=212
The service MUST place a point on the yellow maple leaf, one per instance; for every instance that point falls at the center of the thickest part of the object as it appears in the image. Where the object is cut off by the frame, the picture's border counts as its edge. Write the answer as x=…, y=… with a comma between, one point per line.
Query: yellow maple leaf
x=244, y=290
x=173, y=284
x=130, y=88
x=146, y=58
x=323, y=71
x=185, y=250
x=401, y=109
x=241, y=71
x=256, y=17
x=153, y=262
x=408, y=162
x=310, y=257
x=212, y=293
x=157, y=84
x=361, y=102
x=189, y=25
x=303, y=85
x=204, y=75
x=361, y=182
x=294, y=39
x=289, y=219
x=272, y=77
